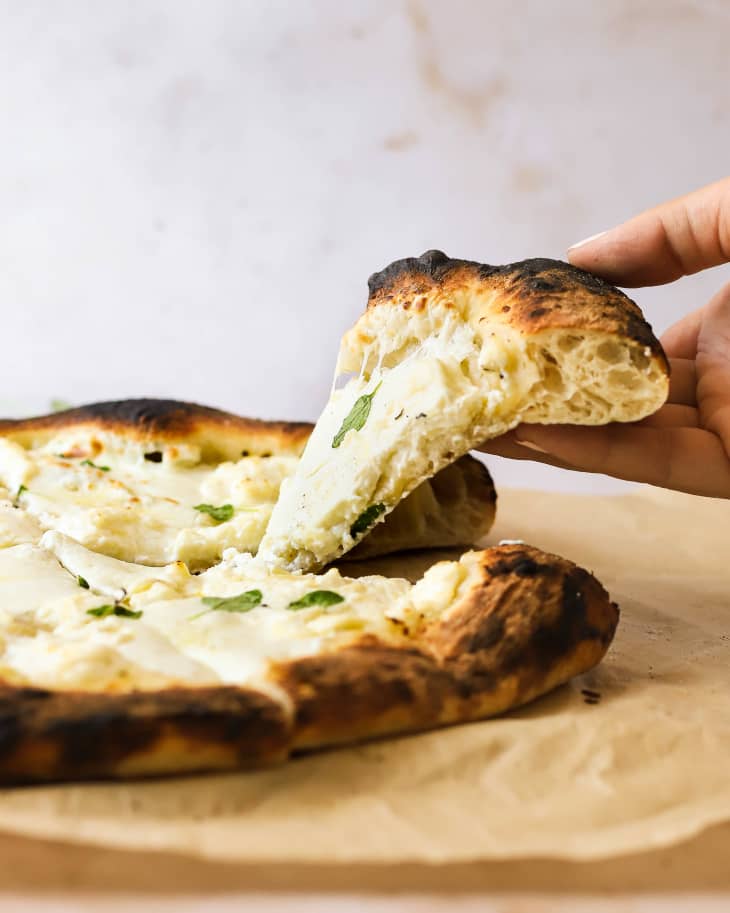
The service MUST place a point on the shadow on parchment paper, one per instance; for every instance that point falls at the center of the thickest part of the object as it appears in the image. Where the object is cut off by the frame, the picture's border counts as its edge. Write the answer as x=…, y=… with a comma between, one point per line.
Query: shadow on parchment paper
x=44, y=866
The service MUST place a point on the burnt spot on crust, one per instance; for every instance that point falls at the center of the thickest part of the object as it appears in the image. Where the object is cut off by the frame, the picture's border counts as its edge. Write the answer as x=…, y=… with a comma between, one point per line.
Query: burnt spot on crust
x=545, y=610
x=541, y=293
x=155, y=422
x=517, y=634
x=152, y=417
x=434, y=266
x=363, y=691
x=67, y=735
x=517, y=563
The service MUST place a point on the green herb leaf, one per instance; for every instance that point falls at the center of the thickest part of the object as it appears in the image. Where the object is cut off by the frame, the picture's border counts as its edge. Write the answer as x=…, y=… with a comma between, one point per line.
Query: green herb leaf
x=317, y=597
x=123, y=612
x=224, y=512
x=103, y=611
x=60, y=405
x=244, y=602
x=366, y=519
x=94, y=466
x=356, y=417
x=82, y=582
x=20, y=491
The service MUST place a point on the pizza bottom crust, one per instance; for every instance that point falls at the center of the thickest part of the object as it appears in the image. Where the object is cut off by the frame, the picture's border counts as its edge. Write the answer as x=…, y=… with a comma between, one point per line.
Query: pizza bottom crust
x=527, y=623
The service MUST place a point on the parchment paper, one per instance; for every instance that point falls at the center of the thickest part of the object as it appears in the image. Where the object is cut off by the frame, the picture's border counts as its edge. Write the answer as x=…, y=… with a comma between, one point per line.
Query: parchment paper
x=646, y=766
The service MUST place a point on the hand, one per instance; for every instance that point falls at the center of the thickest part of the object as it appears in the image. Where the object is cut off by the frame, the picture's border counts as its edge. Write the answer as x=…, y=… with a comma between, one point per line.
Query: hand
x=686, y=444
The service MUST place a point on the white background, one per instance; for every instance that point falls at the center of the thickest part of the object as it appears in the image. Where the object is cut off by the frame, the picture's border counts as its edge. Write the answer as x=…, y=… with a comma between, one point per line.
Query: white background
x=194, y=193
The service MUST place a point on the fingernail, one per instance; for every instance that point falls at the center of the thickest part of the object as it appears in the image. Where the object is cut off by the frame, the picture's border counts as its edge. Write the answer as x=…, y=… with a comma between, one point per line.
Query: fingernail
x=587, y=240
x=530, y=446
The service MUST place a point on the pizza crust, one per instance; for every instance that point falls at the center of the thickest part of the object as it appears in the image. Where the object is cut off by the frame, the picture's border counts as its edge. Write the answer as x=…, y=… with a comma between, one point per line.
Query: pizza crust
x=518, y=623
x=48, y=736
x=526, y=623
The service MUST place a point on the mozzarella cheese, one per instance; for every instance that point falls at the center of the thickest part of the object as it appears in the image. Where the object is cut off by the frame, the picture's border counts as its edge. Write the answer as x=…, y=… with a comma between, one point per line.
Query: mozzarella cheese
x=101, y=490
x=425, y=409
x=50, y=636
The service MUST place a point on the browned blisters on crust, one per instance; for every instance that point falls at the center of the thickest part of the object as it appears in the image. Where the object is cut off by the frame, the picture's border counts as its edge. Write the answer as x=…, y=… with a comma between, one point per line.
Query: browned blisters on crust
x=70, y=735
x=166, y=420
x=545, y=610
x=366, y=690
x=529, y=622
x=540, y=294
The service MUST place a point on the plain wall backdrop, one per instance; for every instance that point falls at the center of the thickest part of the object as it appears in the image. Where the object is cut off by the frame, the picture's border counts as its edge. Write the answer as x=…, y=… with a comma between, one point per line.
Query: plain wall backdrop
x=194, y=193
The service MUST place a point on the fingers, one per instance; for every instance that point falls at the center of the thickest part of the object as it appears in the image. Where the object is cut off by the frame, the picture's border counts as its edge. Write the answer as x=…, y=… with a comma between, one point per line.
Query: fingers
x=506, y=446
x=683, y=382
x=685, y=459
x=713, y=367
x=675, y=239
x=671, y=416
x=680, y=340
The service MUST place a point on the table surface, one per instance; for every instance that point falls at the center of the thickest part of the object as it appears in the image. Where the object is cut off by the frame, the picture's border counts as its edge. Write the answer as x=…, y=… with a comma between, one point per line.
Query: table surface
x=47, y=876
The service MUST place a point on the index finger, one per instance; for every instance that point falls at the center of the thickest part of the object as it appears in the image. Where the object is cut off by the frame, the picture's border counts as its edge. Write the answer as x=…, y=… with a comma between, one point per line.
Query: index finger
x=675, y=239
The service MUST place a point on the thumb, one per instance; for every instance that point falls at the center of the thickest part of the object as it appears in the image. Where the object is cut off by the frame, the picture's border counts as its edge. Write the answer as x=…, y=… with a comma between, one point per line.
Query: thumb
x=675, y=239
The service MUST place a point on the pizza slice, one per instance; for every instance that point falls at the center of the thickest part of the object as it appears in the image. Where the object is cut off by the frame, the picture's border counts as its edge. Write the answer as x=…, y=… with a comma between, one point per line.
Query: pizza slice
x=155, y=481
x=450, y=353
x=111, y=669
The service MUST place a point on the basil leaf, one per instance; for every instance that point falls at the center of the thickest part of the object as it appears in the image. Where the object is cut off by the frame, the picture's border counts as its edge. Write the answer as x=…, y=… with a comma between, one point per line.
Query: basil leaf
x=94, y=466
x=366, y=519
x=356, y=417
x=317, y=597
x=103, y=611
x=244, y=602
x=123, y=612
x=224, y=512
x=20, y=491
x=82, y=582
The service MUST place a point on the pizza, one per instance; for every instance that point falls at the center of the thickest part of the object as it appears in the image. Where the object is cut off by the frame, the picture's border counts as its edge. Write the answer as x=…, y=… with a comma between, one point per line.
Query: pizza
x=168, y=602
x=112, y=669
x=448, y=354
x=157, y=481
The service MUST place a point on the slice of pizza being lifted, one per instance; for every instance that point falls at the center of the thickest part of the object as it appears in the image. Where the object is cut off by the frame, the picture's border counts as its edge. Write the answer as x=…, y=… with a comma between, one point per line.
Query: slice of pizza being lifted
x=450, y=353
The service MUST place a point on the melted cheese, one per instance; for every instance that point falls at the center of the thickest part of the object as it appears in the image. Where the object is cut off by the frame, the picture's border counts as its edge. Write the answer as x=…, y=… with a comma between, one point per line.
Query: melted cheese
x=49, y=639
x=425, y=410
x=136, y=510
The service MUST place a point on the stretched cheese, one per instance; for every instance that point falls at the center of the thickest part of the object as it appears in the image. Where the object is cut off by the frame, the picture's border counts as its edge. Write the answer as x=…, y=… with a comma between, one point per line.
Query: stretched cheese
x=448, y=355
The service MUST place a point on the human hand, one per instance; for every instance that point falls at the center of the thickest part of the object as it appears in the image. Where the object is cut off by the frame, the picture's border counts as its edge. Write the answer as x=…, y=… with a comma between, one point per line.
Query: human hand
x=686, y=444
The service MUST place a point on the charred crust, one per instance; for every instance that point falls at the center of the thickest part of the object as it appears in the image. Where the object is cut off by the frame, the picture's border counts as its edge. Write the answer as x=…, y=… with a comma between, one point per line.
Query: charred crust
x=434, y=266
x=547, y=611
x=367, y=689
x=521, y=565
x=46, y=735
x=157, y=418
x=529, y=622
x=540, y=292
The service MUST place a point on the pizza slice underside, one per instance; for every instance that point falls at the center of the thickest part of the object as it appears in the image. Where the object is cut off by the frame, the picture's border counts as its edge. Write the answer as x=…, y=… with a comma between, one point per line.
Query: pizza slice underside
x=448, y=354
x=111, y=669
